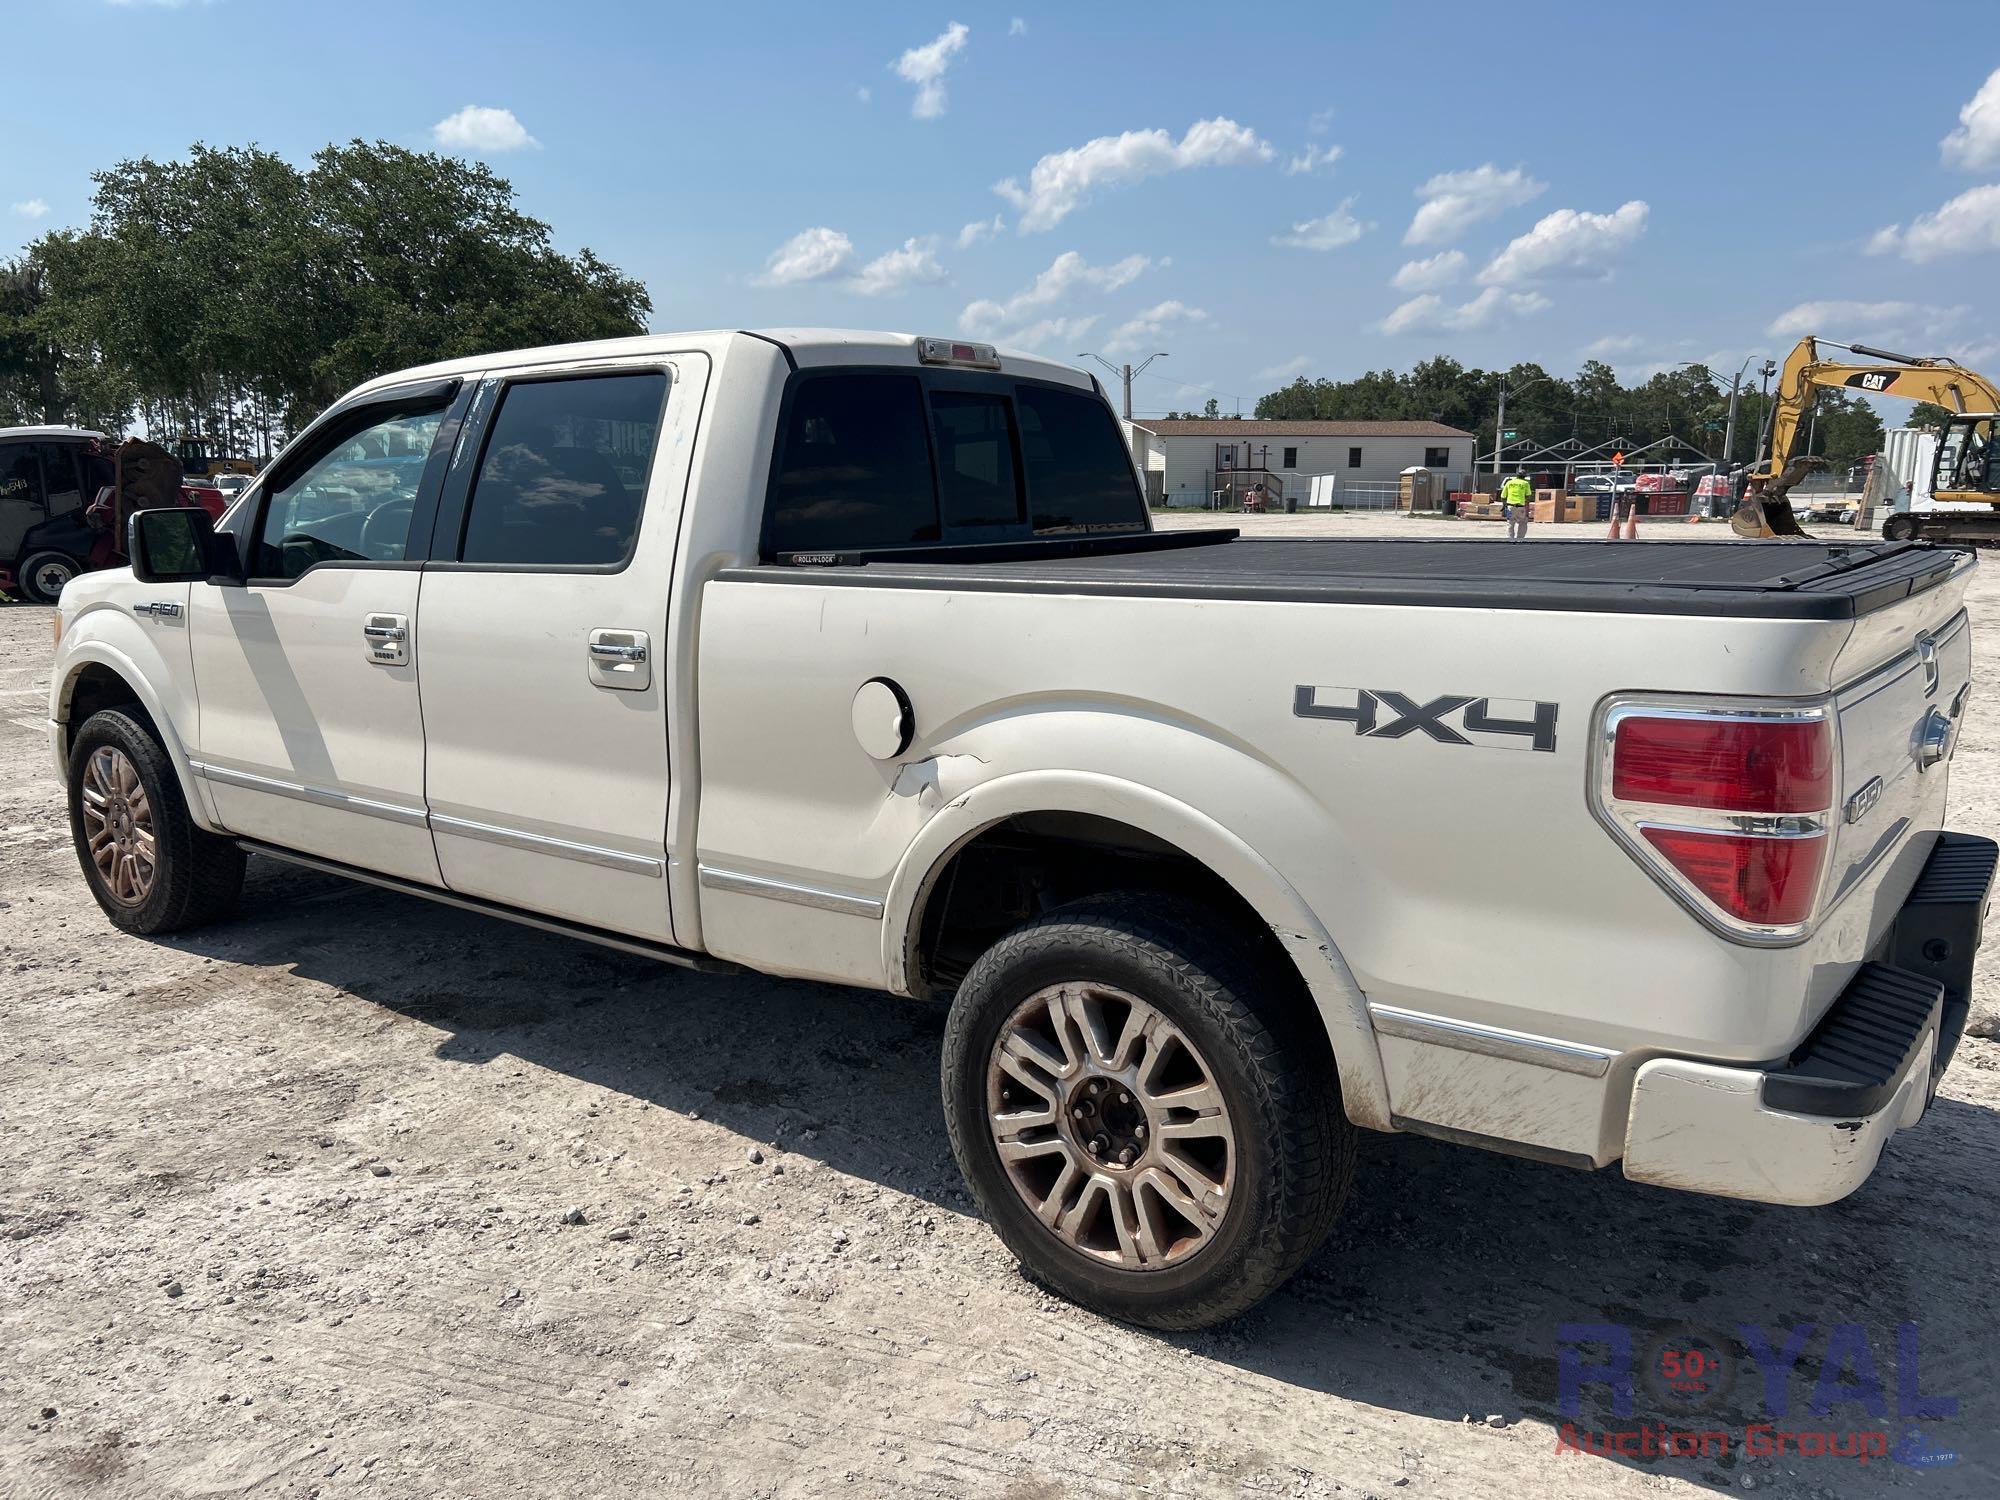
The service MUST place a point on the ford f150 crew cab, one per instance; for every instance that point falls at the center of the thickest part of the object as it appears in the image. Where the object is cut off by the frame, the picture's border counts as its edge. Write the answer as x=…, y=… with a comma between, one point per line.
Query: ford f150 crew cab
x=855, y=657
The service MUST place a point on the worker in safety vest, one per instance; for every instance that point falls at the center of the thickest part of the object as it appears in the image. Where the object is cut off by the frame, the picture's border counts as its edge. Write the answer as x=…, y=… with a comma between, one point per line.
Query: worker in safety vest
x=1516, y=493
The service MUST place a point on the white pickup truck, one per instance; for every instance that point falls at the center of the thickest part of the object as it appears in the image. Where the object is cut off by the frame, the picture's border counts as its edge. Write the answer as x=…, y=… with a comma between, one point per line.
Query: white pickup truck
x=855, y=657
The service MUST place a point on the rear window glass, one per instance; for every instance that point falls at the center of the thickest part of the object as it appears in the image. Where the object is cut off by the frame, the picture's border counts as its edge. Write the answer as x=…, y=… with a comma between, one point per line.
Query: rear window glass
x=1079, y=470
x=975, y=444
x=856, y=466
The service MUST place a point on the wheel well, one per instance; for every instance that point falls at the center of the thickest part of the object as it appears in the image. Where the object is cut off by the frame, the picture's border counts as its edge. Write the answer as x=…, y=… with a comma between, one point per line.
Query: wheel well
x=96, y=687
x=1024, y=865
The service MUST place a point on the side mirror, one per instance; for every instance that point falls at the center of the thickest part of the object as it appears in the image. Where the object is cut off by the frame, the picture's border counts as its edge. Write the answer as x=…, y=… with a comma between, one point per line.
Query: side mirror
x=177, y=544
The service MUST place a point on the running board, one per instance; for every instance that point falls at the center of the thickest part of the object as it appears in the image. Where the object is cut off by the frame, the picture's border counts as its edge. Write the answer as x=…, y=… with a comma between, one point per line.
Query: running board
x=665, y=953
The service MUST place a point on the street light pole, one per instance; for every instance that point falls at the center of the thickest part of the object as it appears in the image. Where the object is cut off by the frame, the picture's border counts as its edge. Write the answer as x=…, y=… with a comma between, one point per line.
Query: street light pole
x=1124, y=373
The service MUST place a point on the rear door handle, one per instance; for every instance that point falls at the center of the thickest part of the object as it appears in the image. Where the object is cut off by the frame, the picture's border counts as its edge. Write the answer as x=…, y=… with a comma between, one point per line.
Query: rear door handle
x=620, y=659
x=388, y=639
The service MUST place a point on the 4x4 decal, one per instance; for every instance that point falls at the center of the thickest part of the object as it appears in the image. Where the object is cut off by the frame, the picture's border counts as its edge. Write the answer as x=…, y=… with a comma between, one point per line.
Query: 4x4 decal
x=1382, y=714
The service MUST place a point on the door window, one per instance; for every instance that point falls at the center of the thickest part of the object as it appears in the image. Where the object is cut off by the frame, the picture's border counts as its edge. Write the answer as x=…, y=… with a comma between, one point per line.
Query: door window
x=563, y=480
x=21, y=497
x=350, y=504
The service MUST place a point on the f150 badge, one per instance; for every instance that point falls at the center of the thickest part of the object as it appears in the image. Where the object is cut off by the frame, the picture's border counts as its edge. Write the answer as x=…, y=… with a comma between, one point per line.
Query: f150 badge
x=1450, y=719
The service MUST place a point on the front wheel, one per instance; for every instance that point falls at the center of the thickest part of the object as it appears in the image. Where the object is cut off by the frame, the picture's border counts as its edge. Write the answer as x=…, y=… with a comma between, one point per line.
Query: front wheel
x=43, y=575
x=148, y=865
x=1900, y=528
x=1146, y=1111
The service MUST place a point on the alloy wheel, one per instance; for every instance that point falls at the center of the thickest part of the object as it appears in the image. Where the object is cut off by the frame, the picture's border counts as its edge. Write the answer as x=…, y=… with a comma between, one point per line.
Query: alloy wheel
x=1111, y=1126
x=118, y=826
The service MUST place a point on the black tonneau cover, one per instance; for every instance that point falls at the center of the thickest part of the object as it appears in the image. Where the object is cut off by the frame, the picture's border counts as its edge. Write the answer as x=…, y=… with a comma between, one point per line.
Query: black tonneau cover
x=1814, y=579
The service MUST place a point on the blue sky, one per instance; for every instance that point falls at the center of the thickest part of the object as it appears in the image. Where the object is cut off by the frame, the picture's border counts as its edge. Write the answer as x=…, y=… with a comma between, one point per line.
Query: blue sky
x=1244, y=187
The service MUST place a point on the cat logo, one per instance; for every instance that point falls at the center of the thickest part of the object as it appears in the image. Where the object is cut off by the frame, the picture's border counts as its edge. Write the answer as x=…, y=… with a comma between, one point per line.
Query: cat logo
x=1382, y=714
x=1875, y=380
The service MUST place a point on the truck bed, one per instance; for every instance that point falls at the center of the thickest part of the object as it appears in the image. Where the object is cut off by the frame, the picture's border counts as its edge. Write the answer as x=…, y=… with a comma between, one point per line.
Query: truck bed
x=1816, y=580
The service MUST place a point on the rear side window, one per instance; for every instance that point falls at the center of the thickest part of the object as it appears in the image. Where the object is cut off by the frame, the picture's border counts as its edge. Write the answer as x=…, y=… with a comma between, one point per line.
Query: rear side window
x=855, y=469
x=563, y=480
x=1079, y=470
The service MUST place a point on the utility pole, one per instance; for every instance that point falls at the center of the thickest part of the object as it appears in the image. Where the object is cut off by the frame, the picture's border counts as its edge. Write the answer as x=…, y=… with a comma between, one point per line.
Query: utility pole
x=1500, y=418
x=1124, y=373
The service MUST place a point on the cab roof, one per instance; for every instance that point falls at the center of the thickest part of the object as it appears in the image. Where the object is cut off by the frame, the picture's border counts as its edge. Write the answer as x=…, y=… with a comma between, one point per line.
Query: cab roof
x=808, y=347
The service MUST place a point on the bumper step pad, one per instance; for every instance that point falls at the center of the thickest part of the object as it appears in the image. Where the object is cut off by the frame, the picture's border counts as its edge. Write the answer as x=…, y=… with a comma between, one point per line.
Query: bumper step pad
x=1858, y=1053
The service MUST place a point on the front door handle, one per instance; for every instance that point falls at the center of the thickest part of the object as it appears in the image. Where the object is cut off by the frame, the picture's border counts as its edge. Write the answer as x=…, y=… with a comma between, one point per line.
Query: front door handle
x=620, y=659
x=388, y=639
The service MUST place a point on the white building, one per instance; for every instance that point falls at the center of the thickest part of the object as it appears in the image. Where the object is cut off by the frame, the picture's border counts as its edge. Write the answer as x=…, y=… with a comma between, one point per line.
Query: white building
x=1204, y=456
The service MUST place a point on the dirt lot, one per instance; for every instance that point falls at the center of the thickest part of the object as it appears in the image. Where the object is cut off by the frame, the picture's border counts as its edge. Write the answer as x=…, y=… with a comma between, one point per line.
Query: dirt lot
x=283, y=1212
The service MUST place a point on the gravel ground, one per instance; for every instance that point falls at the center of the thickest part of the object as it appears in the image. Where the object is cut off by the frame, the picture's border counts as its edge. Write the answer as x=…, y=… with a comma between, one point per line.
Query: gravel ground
x=357, y=1196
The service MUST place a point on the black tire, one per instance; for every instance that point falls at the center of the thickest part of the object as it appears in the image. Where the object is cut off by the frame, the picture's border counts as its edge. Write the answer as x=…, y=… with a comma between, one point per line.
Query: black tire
x=43, y=574
x=197, y=875
x=1900, y=528
x=1266, y=1052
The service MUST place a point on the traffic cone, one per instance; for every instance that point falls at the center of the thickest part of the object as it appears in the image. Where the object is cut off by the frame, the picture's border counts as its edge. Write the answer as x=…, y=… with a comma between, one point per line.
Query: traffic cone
x=1632, y=525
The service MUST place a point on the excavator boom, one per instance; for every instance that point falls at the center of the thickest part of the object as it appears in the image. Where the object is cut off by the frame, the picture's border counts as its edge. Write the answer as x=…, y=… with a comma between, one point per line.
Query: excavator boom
x=1766, y=510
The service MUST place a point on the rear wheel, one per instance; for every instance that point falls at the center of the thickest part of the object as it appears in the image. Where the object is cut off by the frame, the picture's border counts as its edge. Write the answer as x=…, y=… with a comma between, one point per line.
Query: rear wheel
x=1900, y=528
x=43, y=575
x=150, y=868
x=1145, y=1114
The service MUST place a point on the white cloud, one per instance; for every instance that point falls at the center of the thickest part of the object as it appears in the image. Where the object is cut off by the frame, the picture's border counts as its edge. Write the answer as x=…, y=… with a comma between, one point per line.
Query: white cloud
x=1298, y=364
x=978, y=230
x=1455, y=201
x=1312, y=159
x=916, y=264
x=1975, y=145
x=478, y=128
x=1432, y=312
x=1888, y=322
x=1061, y=182
x=1067, y=273
x=1428, y=275
x=864, y=93
x=1329, y=232
x=1321, y=122
x=1145, y=331
x=809, y=255
x=1017, y=27
x=1966, y=225
x=1055, y=336
x=33, y=208
x=925, y=67
x=1612, y=343
x=1567, y=243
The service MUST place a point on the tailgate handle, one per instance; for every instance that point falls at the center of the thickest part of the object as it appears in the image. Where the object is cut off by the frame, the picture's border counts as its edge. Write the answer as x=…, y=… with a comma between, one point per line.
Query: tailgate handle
x=1927, y=653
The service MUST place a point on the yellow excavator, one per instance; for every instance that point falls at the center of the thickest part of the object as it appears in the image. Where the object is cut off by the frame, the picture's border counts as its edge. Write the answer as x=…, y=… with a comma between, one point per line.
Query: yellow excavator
x=1967, y=467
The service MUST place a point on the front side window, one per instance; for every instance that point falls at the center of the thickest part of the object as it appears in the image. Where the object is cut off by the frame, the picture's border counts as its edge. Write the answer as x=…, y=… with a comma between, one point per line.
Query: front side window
x=1079, y=470
x=854, y=466
x=353, y=503
x=563, y=480
x=20, y=495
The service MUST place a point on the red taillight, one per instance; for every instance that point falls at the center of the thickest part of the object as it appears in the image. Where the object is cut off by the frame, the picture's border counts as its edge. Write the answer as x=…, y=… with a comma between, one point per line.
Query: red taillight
x=1730, y=806
x=1731, y=765
x=1769, y=882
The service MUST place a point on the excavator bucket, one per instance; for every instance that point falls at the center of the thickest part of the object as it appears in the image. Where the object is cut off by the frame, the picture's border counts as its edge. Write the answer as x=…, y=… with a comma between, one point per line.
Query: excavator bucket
x=1761, y=518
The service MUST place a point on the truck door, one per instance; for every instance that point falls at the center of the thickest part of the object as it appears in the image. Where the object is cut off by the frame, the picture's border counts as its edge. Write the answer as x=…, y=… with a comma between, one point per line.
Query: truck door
x=309, y=731
x=543, y=618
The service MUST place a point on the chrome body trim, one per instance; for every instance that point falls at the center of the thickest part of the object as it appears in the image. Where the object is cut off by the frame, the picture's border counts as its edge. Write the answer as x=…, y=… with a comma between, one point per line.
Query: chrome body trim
x=1491, y=1041
x=367, y=807
x=537, y=843
x=737, y=883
